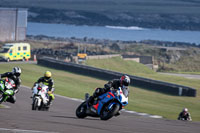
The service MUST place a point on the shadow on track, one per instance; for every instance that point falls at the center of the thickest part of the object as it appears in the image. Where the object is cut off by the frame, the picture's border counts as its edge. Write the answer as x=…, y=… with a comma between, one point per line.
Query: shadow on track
x=70, y=117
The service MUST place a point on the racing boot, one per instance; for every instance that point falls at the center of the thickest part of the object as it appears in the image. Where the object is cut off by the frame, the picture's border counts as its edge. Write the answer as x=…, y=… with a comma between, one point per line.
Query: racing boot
x=50, y=101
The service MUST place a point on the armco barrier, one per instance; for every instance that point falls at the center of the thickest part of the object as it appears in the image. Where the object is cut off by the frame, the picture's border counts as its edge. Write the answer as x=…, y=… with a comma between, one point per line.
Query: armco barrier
x=159, y=86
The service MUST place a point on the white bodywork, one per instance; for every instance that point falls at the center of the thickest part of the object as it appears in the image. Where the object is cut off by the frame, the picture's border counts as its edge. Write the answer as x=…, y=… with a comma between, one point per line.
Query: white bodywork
x=123, y=94
x=40, y=95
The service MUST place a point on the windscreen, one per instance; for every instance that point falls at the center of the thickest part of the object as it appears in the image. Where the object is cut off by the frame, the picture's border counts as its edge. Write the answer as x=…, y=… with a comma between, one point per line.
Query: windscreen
x=125, y=91
x=4, y=50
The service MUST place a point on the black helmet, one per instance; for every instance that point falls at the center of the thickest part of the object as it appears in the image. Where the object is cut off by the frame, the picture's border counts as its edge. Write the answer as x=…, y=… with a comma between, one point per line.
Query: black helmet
x=125, y=80
x=17, y=71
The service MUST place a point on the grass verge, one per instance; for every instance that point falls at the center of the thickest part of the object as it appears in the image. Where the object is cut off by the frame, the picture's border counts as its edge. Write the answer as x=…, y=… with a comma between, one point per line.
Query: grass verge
x=134, y=68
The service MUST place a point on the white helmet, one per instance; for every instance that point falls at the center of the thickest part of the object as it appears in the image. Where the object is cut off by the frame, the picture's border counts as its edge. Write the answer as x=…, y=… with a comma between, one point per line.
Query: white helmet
x=17, y=71
x=125, y=80
x=185, y=110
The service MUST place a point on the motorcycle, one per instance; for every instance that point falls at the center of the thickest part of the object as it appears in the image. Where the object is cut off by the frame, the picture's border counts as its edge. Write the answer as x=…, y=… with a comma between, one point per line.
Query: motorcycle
x=40, y=97
x=106, y=106
x=6, y=89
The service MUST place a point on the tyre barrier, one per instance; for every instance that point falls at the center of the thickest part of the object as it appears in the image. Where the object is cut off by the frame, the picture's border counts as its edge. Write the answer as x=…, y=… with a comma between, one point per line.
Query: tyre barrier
x=145, y=83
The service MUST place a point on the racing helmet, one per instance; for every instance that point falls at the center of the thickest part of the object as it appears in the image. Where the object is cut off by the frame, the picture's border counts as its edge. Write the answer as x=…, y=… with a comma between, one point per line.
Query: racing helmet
x=47, y=74
x=185, y=110
x=125, y=80
x=17, y=71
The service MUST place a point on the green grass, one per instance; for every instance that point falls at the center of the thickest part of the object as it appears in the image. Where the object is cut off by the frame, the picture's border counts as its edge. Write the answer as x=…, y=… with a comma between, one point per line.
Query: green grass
x=133, y=68
x=68, y=84
x=120, y=65
x=72, y=85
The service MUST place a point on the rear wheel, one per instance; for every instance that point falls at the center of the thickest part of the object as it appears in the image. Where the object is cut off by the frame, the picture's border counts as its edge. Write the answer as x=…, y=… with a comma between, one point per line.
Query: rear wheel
x=81, y=110
x=34, y=105
x=1, y=99
x=24, y=59
x=8, y=59
x=109, y=113
x=47, y=109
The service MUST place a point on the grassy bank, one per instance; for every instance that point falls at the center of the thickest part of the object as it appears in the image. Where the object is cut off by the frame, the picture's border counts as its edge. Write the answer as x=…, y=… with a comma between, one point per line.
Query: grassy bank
x=72, y=85
x=133, y=68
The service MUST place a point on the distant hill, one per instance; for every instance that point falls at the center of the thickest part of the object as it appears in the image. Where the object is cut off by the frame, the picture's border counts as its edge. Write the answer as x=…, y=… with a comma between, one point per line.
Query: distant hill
x=170, y=56
x=176, y=14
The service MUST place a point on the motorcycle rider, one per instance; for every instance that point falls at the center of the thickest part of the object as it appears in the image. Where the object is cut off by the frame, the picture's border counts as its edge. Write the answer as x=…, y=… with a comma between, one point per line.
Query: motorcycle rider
x=47, y=80
x=15, y=76
x=122, y=82
x=185, y=115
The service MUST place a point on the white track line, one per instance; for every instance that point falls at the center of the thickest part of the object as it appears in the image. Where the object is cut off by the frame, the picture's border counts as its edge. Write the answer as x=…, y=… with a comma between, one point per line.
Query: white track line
x=132, y=112
x=25, y=131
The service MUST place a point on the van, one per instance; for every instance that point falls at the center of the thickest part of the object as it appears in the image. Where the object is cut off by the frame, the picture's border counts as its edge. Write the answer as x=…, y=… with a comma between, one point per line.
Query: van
x=15, y=51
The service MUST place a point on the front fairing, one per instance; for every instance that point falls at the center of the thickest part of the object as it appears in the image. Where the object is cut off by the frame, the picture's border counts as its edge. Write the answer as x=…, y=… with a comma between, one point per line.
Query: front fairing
x=9, y=83
x=9, y=92
x=43, y=93
x=109, y=98
x=122, y=96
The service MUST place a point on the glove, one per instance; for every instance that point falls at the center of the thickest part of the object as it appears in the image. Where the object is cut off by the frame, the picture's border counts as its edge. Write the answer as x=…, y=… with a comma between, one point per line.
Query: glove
x=16, y=91
x=49, y=92
x=107, y=86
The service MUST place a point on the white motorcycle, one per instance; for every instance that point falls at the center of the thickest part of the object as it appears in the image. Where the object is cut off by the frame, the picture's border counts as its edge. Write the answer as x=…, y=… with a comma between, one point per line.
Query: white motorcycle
x=40, y=97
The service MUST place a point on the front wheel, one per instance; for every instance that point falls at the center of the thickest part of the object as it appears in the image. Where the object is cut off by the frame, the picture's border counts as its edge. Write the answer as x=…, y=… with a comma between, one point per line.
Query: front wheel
x=8, y=60
x=81, y=110
x=34, y=105
x=24, y=59
x=109, y=113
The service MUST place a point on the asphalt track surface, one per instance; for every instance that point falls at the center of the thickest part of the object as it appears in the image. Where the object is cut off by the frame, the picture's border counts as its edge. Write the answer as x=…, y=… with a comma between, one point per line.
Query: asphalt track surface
x=61, y=118
x=189, y=76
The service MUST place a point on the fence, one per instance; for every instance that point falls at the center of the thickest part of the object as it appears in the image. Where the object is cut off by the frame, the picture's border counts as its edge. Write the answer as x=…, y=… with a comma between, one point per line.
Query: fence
x=154, y=85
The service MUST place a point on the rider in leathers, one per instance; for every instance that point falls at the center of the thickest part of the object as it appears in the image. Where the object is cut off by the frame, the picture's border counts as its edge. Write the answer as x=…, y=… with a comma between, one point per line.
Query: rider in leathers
x=15, y=76
x=123, y=82
x=47, y=80
x=185, y=115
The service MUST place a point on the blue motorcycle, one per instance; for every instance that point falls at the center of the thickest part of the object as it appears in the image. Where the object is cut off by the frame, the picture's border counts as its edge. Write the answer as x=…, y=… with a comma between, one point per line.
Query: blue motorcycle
x=106, y=106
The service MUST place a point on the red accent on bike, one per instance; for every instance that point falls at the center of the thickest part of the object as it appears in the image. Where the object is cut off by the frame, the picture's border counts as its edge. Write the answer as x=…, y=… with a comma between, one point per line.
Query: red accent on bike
x=6, y=79
x=39, y=88
x=108, y=96
x=96, y=106
x=111, y=94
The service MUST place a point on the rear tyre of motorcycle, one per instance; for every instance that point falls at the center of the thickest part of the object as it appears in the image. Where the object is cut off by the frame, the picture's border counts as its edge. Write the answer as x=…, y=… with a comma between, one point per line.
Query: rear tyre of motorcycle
x=34, y=105
x=2, y=98
x=81, y=110
x=47, y=109
x=107, y=114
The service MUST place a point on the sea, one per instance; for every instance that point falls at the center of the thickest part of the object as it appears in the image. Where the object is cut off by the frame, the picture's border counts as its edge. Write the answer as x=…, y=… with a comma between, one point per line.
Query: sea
x=132, y=33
